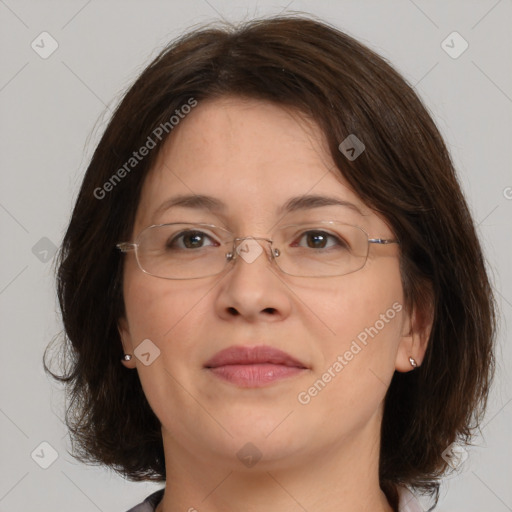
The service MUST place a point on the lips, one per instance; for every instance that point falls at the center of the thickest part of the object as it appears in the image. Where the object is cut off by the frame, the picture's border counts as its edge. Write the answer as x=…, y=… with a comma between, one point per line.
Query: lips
x=262, y=354
x=253, y=367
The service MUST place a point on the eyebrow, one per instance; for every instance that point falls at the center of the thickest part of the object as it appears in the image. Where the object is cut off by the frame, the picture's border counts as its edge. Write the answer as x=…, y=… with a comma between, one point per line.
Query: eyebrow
x=203, y=202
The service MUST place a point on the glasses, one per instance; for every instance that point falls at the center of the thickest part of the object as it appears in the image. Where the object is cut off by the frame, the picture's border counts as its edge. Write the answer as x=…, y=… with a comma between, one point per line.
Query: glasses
x=192, y=251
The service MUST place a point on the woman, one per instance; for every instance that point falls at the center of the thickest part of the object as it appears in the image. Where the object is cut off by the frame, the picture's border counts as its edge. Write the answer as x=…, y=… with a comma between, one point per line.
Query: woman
x=271, y=285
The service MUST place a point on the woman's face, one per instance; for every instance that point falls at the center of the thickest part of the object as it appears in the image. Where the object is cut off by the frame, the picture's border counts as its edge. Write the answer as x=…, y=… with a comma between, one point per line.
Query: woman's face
x=349, y=333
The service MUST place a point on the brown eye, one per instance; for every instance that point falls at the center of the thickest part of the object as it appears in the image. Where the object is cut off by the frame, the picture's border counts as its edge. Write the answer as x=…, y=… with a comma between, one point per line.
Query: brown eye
x=320, y=240
x=188, y=240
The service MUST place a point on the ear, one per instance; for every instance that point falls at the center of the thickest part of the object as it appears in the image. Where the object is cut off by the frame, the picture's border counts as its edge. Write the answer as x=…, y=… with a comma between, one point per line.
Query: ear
x=416, y=329
x=126, y=340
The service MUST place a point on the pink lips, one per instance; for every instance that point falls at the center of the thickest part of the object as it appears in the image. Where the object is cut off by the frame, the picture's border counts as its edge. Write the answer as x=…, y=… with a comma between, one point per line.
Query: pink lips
x=253, y=367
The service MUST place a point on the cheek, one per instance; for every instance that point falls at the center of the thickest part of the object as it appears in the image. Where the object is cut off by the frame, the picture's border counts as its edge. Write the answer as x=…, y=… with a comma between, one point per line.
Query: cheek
x=156, y=307
x=170, y=314
x=357, y=362
x=165, y=312
x=364, y=313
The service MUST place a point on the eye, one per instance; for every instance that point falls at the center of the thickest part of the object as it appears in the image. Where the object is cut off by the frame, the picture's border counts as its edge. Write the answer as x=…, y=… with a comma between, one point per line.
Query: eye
x=319, y=240
x=190, y=239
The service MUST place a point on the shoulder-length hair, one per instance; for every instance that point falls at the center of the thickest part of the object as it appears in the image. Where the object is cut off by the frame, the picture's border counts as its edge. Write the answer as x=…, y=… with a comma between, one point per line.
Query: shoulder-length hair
x=405, y=173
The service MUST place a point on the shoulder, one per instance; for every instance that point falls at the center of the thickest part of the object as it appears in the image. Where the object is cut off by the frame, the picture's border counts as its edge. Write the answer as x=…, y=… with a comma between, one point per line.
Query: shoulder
x=150, y=503
x=407, y=502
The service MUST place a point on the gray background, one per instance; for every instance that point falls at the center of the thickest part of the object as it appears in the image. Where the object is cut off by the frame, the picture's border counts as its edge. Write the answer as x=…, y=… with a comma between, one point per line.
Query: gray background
x=53, y=111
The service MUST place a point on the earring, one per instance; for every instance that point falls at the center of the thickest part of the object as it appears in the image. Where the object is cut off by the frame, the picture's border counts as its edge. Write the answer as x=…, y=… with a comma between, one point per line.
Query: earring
x=413, y=362
x=127, y=357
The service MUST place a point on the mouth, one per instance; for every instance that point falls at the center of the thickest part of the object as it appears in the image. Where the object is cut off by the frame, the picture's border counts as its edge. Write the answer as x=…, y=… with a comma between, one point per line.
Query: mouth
x=252, y=367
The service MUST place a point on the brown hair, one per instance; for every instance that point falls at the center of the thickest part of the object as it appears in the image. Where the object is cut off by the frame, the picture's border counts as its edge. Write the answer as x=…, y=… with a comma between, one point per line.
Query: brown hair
x=405, y=173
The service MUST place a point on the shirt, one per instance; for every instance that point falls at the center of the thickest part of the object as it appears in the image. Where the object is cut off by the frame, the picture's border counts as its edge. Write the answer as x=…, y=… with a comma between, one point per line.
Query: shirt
x=407, y=502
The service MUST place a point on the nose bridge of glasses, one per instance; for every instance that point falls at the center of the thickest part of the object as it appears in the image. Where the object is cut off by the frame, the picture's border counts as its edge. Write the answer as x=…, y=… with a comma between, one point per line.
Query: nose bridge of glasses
x=249, y=248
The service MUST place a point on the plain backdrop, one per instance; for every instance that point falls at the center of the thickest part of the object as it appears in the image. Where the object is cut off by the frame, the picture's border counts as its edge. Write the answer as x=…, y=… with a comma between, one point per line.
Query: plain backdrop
x=52, y=112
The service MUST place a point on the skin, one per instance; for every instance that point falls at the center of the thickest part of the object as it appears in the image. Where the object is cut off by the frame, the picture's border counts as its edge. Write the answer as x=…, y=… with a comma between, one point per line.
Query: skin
x=321, y=456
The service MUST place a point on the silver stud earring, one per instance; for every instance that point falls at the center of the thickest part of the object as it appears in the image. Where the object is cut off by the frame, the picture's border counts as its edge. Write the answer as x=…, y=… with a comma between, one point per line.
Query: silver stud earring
x=413, y=362
x=127, y=357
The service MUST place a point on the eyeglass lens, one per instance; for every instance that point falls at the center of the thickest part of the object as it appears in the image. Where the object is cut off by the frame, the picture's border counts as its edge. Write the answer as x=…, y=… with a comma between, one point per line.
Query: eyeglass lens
x=184, y=251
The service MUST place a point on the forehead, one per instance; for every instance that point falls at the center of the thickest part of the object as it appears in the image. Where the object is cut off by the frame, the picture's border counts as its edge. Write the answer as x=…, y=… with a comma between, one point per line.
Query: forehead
x=252, y=155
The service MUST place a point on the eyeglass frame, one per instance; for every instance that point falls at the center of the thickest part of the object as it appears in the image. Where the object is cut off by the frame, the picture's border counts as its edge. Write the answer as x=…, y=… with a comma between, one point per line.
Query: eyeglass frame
x=126, y=247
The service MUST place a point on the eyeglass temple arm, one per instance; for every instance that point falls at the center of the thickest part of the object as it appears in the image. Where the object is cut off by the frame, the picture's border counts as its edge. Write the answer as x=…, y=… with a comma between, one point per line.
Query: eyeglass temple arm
x=383, y=241
x=126, y=246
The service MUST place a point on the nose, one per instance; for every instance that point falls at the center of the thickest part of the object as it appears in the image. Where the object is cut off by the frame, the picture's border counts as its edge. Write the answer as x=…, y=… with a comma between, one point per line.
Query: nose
x=252, y=289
